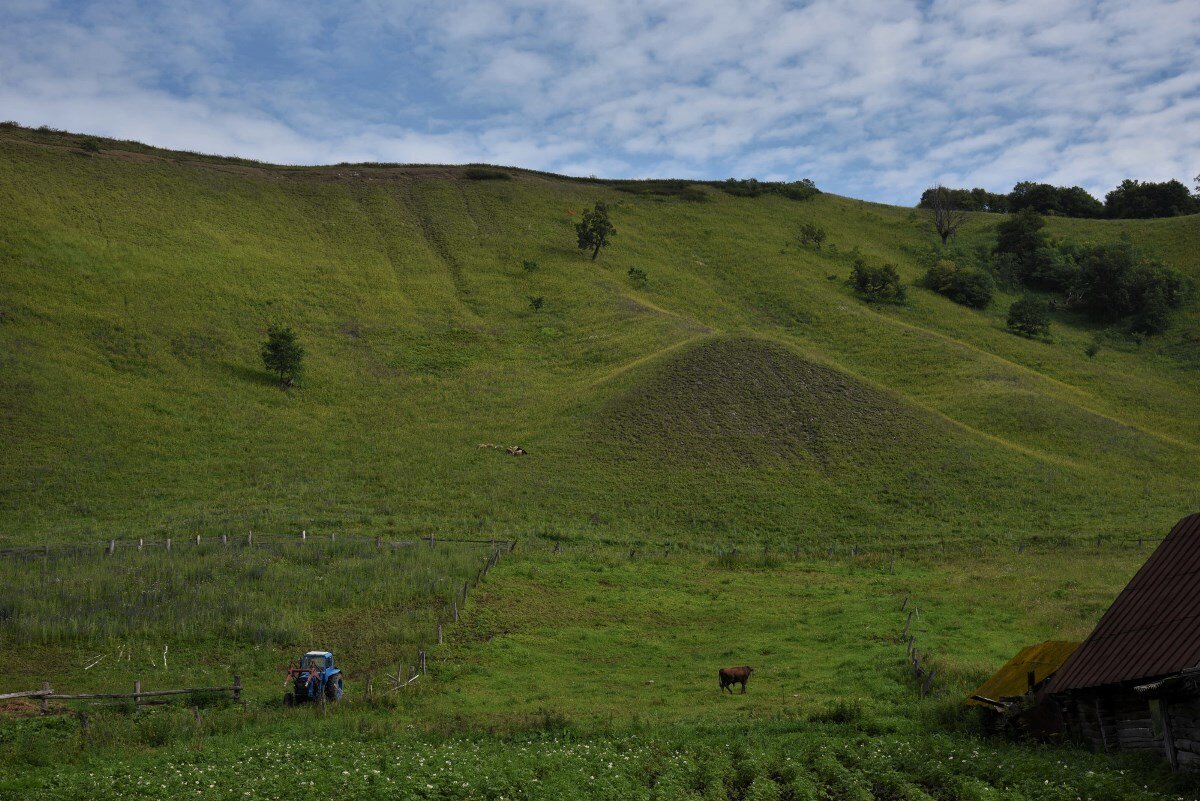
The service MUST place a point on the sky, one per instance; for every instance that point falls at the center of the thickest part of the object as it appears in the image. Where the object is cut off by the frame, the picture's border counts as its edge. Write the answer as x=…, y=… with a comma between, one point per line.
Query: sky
x=876, y=99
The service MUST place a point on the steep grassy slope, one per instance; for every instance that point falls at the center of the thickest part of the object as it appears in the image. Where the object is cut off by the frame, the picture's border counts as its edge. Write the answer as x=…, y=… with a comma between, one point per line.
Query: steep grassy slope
x=136, y=285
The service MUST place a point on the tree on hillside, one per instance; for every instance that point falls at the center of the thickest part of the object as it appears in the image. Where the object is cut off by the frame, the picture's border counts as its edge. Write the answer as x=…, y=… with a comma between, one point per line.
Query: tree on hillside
x=283, y=354
x=1029, y=317
x=877, y=284
x=1063, y=201
x=947, y=217
x=1142, y=199
x=595, y=229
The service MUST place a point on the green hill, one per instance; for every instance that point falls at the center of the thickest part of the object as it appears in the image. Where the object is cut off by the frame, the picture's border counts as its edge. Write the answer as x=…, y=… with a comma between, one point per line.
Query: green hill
x=742, y=393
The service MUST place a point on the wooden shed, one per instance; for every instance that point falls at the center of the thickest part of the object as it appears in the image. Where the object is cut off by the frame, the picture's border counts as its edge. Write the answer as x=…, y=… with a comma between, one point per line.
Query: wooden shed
x=1009, y=700
x=1134, y=683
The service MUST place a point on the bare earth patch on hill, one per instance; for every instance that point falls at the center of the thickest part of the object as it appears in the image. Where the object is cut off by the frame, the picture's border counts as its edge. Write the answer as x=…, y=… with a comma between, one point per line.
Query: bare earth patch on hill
x=746, y=400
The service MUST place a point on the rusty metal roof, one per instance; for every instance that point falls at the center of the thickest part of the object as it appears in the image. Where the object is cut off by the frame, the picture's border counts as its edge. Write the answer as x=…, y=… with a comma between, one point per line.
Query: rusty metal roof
x=1153, y=628
x=1013, y=679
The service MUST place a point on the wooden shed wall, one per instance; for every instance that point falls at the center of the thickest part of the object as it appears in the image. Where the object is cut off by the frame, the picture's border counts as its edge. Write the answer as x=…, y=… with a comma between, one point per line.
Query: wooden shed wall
x=1121, y=720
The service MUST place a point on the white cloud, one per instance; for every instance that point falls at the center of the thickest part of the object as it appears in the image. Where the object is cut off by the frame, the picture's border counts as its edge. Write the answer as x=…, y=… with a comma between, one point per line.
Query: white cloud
x=876, y=98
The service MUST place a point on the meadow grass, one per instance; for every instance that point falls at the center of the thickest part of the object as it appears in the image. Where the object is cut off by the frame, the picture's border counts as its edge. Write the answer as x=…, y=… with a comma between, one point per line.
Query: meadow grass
x=739, y=396
x=199, y=615
x=136, y=287
x=585, y=673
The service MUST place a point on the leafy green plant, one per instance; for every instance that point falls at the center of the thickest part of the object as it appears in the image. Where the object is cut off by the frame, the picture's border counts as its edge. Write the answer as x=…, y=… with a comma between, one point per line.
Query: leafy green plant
x=529, y=265
x=637, y=276
x=968, y=286
x=595, y=229
x=811, y=235
x=536, y=303
x=877, y=284
x=283, y=354
x=1029, y=317
x=486, y=174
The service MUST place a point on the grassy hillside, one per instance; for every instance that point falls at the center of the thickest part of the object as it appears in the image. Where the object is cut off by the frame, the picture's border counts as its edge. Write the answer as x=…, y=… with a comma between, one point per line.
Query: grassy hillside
x=743, y=393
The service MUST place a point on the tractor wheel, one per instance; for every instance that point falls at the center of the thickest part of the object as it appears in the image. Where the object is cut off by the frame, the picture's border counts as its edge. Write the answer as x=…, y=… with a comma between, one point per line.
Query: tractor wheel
x=333, y=688
x=289, y=699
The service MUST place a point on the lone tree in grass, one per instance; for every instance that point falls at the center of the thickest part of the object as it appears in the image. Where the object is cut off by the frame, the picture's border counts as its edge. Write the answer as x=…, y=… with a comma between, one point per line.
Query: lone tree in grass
x=595, y=229
x=947, y=216
x=283, y=354
x=1029, y=317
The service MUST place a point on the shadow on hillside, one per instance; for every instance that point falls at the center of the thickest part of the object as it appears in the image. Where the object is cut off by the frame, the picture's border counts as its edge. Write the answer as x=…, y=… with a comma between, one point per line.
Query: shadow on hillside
x=251, y=376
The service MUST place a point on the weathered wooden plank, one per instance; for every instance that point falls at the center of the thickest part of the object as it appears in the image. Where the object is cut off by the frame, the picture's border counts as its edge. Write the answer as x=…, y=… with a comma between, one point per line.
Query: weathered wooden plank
x=26, y=694
x=143, y=694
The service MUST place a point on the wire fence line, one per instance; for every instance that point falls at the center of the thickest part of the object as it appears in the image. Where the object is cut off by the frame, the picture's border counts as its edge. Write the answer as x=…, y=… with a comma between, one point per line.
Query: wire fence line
x=250, y=540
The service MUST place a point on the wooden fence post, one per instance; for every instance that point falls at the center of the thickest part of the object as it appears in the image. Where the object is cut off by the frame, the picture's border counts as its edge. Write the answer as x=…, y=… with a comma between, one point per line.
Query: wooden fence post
x=379, y=542
x=45, y=699
x=439, y=633
x=367, y=687
x=197, y=540
x=455, y=602
x=904, y=605
x=303, y=534
x=908, y=622
x=333, y=536
x=137, y=692
x=250, y=538
x=141, y=542
x=928, y=682
x=168, y=544
x=225, y=540
x=112, y=547
x=237, y=687
x=422, y=656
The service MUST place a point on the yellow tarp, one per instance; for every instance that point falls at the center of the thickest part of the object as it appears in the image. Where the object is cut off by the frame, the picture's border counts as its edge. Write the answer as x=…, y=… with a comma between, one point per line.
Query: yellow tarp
x=1012, y=679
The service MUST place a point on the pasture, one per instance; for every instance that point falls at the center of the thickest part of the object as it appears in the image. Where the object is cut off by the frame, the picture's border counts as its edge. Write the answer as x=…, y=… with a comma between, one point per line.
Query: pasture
x=587, y=662
x=731, y=459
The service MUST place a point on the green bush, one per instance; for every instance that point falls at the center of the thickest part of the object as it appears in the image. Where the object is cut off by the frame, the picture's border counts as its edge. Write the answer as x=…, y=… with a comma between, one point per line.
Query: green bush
x=90, y=146
x=529, y=265
x=1115, y=282
x=968, y=286
x=536, y=303
x=485, y=174
x=877, y=284
x=811, y=236
x=803, y=189
x=1029, y=317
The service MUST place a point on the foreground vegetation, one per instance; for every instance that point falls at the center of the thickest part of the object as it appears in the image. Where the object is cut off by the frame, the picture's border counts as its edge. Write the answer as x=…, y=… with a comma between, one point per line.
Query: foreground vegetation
x=583, y=662
x=713, y=449
x=200, y=614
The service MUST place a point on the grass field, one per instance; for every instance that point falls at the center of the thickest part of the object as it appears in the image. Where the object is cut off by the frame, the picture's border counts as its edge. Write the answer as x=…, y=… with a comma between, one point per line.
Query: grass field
x=736, y=462
x=566, y=662
x=136, y=286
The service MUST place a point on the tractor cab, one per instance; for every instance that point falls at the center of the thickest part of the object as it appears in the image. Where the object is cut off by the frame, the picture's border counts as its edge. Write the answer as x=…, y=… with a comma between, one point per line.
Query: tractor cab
x=316, y=660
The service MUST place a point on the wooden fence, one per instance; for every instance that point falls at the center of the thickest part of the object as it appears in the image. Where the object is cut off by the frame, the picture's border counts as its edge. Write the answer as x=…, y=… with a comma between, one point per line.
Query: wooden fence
x=47, y=694
x=250, y=540
x=922, y=673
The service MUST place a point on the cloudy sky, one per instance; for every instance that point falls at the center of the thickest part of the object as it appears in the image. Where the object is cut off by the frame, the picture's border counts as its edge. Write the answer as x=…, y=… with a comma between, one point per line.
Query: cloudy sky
x=871, y=98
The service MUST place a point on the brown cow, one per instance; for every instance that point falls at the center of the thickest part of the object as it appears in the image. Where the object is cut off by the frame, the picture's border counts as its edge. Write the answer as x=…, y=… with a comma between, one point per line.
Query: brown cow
x=734, y=675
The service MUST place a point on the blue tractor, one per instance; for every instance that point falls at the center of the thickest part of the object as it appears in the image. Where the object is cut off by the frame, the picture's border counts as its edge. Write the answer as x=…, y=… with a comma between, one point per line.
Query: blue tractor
x=314, y=678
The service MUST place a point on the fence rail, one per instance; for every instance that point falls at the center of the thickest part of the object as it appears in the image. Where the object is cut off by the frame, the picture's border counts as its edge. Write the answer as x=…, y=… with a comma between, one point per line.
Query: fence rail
x=48, y=694
x=250, y=540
